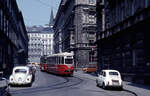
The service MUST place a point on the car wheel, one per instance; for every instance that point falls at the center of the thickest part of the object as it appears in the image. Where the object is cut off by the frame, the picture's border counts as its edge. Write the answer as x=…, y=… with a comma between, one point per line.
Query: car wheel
x=10, y=85
x=103, y=86
x=121, y=88
x=33, y=78
x=8, y=94
x=97, y=83
x=30, y=84
x=71, y=75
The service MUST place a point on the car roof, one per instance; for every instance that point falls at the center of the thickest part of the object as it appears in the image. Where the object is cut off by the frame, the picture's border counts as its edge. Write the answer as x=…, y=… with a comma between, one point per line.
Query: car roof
x=21, y=67
x=108, y=70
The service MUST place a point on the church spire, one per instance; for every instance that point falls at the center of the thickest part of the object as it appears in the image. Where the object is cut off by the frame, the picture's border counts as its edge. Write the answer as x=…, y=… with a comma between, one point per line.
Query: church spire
x=51, y=22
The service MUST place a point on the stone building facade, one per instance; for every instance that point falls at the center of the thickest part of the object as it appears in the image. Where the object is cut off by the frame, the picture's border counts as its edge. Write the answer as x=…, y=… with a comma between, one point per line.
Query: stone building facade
x=13, y=37
x=35, y=45
x=75, y=29
x=40, y=42
x=124, y=43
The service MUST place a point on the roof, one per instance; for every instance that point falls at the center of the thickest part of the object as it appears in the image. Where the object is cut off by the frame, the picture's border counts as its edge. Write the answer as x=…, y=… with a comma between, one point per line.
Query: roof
x=40, y=29
x=61, y=54
x=51, y=22
x=108, y=70
x=21, y=67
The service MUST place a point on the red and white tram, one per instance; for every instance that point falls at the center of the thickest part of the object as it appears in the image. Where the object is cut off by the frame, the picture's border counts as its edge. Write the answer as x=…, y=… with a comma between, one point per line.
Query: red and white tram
x=61, y=63
x=43, y=63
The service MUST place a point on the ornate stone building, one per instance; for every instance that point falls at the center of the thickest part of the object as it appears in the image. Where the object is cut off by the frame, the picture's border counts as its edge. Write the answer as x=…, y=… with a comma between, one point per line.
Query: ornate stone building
x=75, y=29
x=124, y=43
x=40, y=40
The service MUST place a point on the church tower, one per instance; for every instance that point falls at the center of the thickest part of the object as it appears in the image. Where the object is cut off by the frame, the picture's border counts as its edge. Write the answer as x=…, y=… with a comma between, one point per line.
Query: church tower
x=51, y=22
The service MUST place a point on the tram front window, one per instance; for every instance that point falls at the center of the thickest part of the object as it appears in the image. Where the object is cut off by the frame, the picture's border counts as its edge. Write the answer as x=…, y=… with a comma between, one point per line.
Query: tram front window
x=68, y=61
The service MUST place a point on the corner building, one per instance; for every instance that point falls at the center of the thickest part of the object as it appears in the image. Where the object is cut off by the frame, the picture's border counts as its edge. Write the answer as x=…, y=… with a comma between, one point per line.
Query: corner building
x=75, y=29
x=124, y=43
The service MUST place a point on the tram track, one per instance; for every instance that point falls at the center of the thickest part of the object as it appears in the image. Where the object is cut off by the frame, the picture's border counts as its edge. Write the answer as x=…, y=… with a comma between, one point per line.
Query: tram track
x=67, y=83
x=125, y=90
x=77, y=83
x=130, y=92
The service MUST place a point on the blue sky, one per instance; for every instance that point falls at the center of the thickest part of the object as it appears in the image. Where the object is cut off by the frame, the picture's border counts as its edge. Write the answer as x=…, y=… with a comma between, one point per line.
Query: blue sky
x=37, y=12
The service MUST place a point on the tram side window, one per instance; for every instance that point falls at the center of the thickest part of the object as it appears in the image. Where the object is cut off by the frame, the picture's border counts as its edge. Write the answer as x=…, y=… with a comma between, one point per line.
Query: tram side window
x=62, y=60
x=44, y=60
x=50, y=61
x=53, y=60
x=59, y=60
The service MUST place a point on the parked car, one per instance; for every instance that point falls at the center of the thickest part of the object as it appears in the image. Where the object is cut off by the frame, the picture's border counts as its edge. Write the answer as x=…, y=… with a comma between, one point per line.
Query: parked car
x=109, y=78
x=89, y=68
x=21, y=75
x=4, y=88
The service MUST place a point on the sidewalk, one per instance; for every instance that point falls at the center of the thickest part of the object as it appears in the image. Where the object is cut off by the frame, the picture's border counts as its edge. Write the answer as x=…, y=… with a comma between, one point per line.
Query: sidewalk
x=139, y=89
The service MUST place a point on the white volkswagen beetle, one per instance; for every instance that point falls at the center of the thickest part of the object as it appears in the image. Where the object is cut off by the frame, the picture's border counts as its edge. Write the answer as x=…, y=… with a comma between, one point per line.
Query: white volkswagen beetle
x=109, y=78
x=21, y=75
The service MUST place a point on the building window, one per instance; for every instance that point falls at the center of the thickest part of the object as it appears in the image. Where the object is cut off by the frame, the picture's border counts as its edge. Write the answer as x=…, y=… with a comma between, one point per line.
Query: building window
x=85, y=19
x=146, y=3
x=0, y=18
x=91, y=1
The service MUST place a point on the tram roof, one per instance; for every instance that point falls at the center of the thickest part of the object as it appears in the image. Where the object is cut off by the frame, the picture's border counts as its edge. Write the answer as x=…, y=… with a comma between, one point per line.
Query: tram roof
x=61, y=54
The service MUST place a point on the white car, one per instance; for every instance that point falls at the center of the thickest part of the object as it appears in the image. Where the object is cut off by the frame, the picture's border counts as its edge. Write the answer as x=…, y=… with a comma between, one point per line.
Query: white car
x=21, y=75
x=109, y=78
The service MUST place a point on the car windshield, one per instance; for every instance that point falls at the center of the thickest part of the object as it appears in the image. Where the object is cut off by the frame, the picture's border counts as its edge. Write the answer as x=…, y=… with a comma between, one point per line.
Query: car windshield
x=20, y=71
x=68, y=61
x=113, y=73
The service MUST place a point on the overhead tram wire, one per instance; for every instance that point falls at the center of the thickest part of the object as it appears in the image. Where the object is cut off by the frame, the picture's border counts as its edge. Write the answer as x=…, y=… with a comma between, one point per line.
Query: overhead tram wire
x=45, y=4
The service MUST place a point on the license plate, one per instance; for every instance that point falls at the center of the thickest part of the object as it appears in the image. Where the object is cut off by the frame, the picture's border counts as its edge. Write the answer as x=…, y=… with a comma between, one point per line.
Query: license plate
x=115, y=83
x=20, y=79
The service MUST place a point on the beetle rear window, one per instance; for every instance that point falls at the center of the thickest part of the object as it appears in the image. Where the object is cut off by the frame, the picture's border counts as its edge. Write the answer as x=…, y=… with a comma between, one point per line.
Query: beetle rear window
x=113, y=73
x=20, y=71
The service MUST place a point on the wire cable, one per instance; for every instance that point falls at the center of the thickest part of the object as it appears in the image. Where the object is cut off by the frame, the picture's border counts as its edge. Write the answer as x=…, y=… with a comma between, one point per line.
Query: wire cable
x=45, y=4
